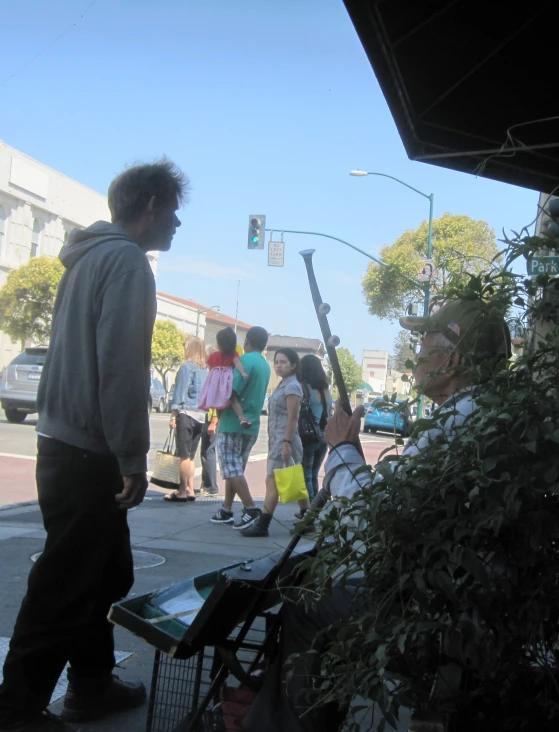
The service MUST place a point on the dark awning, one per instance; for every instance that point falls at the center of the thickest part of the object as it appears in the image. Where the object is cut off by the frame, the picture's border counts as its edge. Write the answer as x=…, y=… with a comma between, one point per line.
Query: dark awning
x=469, y=81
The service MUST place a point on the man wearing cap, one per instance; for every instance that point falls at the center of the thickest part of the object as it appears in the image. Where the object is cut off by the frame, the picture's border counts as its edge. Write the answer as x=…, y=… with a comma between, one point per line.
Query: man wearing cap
x=463, y=344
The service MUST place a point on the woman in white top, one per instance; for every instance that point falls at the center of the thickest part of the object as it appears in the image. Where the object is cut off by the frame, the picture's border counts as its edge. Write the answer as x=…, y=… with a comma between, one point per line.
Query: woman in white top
x=284, y=444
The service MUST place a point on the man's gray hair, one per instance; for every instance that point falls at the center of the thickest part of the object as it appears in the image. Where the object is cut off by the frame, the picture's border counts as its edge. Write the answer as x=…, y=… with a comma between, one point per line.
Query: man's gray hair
x=131, y=191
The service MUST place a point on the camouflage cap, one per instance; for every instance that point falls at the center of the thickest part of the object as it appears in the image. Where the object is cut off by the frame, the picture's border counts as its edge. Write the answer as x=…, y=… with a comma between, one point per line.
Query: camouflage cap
x=474, y=327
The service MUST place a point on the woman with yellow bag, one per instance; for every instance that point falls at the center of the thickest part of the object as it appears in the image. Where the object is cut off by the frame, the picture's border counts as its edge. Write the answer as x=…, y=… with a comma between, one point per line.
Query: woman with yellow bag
x=284, y=475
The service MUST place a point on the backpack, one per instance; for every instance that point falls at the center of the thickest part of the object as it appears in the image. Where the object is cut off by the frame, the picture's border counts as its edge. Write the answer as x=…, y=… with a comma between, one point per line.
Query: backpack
x=309, y=429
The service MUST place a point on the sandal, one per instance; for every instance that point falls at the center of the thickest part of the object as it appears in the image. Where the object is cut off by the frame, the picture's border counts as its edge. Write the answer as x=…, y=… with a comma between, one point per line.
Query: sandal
x=175, y=498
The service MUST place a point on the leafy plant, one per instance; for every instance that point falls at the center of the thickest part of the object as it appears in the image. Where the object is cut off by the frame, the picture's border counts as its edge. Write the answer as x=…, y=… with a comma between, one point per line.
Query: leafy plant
x=27, y=299
x=458, y=547
x=351, y=371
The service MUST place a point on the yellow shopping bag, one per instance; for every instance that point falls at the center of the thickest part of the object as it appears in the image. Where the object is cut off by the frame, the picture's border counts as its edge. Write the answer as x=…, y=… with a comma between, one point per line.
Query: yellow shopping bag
x=291, y=484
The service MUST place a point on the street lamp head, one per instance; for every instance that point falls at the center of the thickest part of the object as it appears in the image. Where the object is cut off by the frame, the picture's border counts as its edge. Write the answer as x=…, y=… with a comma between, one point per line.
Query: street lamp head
x=358, y=173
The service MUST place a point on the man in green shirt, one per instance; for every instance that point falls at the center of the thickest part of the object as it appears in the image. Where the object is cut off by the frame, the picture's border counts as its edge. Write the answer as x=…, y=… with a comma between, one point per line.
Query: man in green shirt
x=234, y=442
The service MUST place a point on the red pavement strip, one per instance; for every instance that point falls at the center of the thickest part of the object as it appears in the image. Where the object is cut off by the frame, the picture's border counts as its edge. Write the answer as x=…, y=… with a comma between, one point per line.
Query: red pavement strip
x=17, y=484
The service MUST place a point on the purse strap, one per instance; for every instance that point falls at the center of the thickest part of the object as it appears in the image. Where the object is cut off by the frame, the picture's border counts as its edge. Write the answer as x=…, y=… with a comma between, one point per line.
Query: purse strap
x=170, y=441
x=324, y=417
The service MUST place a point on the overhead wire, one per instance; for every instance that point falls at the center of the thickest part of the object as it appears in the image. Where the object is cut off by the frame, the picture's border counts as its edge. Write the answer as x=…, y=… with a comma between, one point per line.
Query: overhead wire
x=48, y=46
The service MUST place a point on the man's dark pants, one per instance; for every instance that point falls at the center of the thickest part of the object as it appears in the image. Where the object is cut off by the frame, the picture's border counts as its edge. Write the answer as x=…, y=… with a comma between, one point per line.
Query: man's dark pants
x=86, y=565
x=208, y=458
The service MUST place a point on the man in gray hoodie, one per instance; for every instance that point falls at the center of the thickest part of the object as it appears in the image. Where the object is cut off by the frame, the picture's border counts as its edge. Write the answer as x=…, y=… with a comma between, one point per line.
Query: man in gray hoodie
x=92, y=456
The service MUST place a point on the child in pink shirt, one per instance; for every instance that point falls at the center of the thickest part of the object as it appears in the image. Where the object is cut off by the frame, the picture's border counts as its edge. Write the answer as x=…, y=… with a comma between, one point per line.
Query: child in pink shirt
x=217, y=392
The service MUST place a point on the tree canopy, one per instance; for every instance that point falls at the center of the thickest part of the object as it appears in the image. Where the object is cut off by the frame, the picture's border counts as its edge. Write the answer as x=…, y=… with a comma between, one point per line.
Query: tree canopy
x=401, y=351
x=27, y=299
x=351, y=371
x=461, y=246
x=167, y=348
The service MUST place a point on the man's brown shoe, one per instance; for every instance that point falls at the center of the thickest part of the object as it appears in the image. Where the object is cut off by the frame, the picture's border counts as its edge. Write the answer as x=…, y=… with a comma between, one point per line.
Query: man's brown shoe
x=91, y=699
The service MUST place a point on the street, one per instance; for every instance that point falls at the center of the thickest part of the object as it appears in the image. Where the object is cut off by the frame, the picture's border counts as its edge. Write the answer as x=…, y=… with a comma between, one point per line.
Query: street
x=18, y=450
x=170, y=542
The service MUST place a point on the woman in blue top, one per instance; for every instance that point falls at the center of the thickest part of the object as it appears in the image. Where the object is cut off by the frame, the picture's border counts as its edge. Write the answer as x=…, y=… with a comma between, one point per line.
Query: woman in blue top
x=315, y=389
x=186, y=416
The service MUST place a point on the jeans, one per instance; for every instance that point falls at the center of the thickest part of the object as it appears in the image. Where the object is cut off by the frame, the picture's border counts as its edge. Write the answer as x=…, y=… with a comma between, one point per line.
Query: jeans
x=208, y=458
x=85, y=567
x=313, y=457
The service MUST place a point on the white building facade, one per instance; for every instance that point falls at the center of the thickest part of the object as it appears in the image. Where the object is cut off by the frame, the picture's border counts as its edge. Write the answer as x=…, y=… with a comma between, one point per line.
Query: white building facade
x=375, y=369
x=39, y=207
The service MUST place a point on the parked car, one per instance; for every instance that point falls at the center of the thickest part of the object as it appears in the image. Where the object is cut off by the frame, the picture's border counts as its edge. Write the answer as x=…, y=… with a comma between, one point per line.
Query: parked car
x=157, y=396
x=387, y=416
x=265, y=405
x=20, y=382
x=170, y=396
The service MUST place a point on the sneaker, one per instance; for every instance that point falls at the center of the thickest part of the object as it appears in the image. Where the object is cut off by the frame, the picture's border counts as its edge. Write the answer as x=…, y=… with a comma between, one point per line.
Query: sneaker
x=209, y=491
x=248, y=517
x=89, y=700
x=45, y=722
x=223, y=516
x=259, y=527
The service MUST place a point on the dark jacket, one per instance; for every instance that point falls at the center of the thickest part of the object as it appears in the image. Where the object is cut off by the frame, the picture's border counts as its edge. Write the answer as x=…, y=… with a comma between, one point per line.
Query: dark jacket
x=95, y=383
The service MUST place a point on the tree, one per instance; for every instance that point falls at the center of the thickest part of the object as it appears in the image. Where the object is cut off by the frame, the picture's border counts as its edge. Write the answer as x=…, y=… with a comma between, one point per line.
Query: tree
x=351, y=371
x=27, y=299
x=402, y=351
x=461, y=246
x=167, y=348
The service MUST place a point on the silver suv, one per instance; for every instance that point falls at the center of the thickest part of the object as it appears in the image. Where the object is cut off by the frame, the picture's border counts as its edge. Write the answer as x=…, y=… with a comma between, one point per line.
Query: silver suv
x=20, y=381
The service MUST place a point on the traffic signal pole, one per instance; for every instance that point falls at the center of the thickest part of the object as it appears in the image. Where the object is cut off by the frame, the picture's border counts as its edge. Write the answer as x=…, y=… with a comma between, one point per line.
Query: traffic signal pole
x=352, y=246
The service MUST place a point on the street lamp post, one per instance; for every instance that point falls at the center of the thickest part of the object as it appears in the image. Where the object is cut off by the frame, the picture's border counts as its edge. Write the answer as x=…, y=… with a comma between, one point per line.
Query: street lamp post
x=204, y=310
x=427, y=284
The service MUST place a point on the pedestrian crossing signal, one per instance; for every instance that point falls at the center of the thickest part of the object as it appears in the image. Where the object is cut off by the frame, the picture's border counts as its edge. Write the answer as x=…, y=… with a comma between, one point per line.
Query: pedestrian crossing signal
x=256, y=231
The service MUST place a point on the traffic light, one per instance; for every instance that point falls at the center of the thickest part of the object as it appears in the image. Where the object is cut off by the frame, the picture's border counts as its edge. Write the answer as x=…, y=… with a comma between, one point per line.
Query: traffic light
x=256, y=231
x=550, y=221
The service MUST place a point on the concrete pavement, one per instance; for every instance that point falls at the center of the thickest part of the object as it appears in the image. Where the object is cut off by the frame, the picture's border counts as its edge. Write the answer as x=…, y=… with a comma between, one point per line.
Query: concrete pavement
x=180, y=534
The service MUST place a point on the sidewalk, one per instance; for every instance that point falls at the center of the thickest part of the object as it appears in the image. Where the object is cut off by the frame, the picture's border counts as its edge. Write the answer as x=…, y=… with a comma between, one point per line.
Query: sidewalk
x=180, y=535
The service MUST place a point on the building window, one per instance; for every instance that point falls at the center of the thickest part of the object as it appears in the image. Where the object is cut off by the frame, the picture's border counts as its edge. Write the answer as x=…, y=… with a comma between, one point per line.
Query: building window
x=36, y=237
x=3, y=218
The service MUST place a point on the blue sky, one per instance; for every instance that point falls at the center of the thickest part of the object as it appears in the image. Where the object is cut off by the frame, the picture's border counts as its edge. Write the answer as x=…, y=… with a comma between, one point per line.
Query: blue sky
x=267, y=105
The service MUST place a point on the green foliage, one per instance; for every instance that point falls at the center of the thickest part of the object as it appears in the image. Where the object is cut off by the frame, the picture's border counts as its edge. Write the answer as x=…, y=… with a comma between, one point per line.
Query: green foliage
x=167, y=348
x=461, y=546
x=402, y=351
x=351, y=371
x=461, y=246
x=27, y=299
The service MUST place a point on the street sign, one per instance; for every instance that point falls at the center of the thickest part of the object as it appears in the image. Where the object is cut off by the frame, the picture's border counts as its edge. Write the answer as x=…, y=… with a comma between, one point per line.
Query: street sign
x=543, y=265
x=275, y=253
x=427, y=270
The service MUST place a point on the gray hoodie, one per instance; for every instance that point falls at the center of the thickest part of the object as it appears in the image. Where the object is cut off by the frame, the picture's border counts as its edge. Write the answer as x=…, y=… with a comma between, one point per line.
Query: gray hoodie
x=95, y=384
